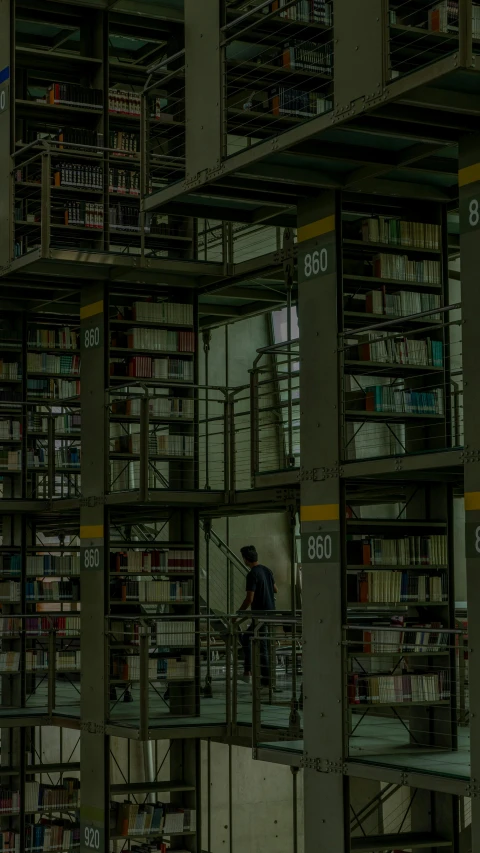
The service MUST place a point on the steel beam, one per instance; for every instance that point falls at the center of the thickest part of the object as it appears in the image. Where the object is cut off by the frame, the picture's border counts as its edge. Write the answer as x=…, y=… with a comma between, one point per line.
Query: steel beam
x=202, y=87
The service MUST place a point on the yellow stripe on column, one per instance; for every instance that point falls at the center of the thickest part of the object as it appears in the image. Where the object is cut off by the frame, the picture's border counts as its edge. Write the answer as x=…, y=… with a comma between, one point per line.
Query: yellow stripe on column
x=316, y=229
x=92, y=531
x=472, y=500
x=469, y=175
x=320, y=512
x=91, y=310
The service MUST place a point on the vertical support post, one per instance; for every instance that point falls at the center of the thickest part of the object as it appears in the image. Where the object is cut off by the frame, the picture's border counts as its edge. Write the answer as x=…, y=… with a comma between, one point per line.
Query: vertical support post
x=144, y=445
x=144, y=683
x=52, y=647
x=7, y=101
x=46, y=207
x=51, y=455
x=288, y=277
x=320, y=514
x=226, y=447
x=465, y=34
x=254, y=426
x=469, y=190
x=93, y=571
x=202, y=87
x=207, y=336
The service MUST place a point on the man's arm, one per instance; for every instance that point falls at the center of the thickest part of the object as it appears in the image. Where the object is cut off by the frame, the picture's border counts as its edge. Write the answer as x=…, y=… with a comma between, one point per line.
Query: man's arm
x=247, y=601
x=275, y=588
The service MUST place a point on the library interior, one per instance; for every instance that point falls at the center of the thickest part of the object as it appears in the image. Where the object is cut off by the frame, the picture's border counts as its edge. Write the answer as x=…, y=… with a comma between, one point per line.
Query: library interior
x=236, y=237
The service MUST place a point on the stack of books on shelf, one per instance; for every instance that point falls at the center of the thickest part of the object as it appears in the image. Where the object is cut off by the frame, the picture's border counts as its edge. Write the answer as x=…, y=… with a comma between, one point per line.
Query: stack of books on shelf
x=68, y=457
x=124, y=217
x=127, y=668
x=10, y=564
x=424, y=550
x=10, y=430
x=10, y=395
x=401, y=268
x=387, y=398
x=124, y=142
x=65, y=661
x=158, y=406
x=53, y=389
x=167, y=313
x=68, y=660
x=10, y=460
x=175, y=633
x=10, y=369
x=58, y=565
x=37, y=422
x=443, y=18
x=400, y=232
x=53, y=590
x=36, y=660
x=130, y=819
x=167, y=340
x=181, y=668
x=392, y=587
x=9, y=662
x=124, y=181
x=65, y=626
x=414, y=639
x=50, y=836
x=285, y=101
x=85, y=214
x=64, y=794
x=428, y=687
x=10, y=626
x=381, y=347
x=156, y=561
x=46, y=363
x=300, y=55
x=36, y=458
x=79, y=175
x=10, y=840
x=159, y=444
x=156, y=590
x=144, y=367
x=308, y=11
x=124, y=102
x=74, y=95
x=9, y=591
x=9, y=803
x=65, y=338
x=401, y=304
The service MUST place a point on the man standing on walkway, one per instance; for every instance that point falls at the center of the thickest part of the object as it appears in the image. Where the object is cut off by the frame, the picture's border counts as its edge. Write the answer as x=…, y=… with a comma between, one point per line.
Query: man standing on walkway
x=260, y=597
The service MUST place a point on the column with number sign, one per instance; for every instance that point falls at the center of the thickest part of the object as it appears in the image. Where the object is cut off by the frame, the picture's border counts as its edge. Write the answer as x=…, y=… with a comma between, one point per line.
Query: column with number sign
x=94, y=746
x=320, y=517
x=469, y=191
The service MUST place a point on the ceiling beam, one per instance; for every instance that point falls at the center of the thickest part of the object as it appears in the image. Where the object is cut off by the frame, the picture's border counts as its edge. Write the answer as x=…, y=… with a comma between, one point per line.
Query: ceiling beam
x=444, y=99
x=405, y=158
x=290, y=175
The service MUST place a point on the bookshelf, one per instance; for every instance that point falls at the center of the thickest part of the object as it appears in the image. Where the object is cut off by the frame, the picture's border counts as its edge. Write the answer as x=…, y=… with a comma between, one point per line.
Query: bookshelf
x=395, y=364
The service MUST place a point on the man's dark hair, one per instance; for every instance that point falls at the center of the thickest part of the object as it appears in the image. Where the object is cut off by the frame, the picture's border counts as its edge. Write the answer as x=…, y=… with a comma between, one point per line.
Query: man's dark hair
x=249, y=553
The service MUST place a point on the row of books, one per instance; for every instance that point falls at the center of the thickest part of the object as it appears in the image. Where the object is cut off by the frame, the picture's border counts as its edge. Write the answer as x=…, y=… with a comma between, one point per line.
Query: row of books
x=156, y=339
x=53, y=389
x=401, y=268
x=53, y=590
x=64, y=338
x=443, y=18
x=10, y=460
x=10, y=564
x=401, y=232
x=68, y=457
x=127, y=668
x=10, y=591
x=123, y=181
x=162, y=561
x=9, y=803
x=398, y=689
x=285, y=101
x=10, y=369
x=132, y=819
x=392, y=587
x=87, y=214
x=425, y=550
x=9, y=662
x=417, y=639
x=37, y=659
x=156, y=590
x=74, y=95
x=36, y=422
x=127, y=103
x=52, y=836
x=159, y=444
x=386, y=398
x=10, y=395
x=10, y=840
x=124, y=141
x=65, y=793
x=59, y=565
x=380, y=347
x=143, y=367
x=307, y=56
x=308, y=11
x=175, y=633
x=181, y=668
x=166, y=313
x=78, y=175
x=65, y=626
x=42, y=362
x=401, y=304
x=10, y=430
x=159, y=406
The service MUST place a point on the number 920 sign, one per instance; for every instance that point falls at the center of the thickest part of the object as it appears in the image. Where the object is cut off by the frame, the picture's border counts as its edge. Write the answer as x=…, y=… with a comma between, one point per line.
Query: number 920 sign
x=320, y=547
